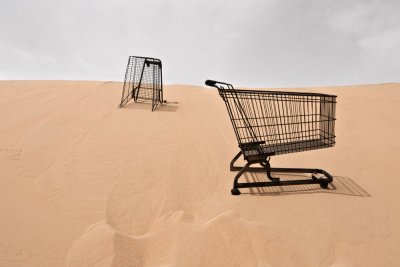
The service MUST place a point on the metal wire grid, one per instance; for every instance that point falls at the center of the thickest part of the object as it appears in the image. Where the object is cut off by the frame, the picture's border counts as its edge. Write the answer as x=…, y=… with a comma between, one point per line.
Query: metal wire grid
x=143, y=80
x=287, y=121
x=149, y=81
x=129, y=81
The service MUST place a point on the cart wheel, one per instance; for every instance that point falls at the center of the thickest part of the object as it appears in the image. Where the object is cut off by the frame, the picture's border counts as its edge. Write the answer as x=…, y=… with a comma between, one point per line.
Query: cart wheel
x=235, y=192
x=324, y=184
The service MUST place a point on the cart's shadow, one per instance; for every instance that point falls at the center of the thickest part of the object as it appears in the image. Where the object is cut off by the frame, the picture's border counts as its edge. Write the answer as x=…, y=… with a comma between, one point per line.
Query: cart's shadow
x=340, y=185
x=165, y=107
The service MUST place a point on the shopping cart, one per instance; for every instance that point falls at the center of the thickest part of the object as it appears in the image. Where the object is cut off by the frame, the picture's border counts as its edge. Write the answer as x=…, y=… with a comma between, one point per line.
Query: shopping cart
x=269, y=123
x=143, y=81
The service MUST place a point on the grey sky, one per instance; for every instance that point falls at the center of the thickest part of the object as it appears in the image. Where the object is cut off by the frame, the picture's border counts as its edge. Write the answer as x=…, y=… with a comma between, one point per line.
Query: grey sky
x=248, y=43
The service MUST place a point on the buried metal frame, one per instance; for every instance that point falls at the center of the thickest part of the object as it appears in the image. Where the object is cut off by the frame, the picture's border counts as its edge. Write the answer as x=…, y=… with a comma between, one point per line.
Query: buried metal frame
x=143, y=80
x=269, y=123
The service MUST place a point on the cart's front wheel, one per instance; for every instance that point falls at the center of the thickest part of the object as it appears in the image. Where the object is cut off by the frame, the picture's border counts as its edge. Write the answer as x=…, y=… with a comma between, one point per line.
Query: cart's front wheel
x=235, y=192
x=324, y=184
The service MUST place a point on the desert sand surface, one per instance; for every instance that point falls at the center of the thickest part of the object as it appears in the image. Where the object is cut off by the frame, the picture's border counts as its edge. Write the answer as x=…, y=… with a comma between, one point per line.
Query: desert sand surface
x=83, y=183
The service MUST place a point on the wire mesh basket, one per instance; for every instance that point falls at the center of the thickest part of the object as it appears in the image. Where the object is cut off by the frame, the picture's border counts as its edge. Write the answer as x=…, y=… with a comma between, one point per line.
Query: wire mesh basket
x=143, y=80
x=268, y=123
x=288, y=122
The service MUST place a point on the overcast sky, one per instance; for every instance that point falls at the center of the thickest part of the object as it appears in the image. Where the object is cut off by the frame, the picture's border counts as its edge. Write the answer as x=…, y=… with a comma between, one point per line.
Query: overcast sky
x=259, y=43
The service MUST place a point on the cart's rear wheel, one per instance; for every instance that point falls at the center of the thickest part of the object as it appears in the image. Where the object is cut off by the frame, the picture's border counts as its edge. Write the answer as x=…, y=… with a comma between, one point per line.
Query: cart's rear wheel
x=235, y=192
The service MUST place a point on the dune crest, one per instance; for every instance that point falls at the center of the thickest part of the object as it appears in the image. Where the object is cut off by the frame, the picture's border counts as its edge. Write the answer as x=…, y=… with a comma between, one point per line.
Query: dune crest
x=87, y=184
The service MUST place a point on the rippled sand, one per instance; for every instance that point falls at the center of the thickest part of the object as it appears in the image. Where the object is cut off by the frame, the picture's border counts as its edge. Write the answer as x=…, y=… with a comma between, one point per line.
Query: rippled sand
x=83, y=183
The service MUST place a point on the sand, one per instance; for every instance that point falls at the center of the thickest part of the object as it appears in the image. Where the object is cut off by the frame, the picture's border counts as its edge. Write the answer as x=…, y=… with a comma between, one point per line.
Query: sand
x=83, y=183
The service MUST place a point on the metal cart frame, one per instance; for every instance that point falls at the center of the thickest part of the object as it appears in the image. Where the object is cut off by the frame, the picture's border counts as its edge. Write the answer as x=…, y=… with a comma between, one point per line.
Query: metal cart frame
x=269, y=123
x=143, y=80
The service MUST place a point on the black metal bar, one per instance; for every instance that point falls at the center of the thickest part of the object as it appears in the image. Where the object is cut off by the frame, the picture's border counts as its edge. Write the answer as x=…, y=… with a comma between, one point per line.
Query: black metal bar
x=162, y=89
x=277, y=183
x=232, y=166
x=154, y=100
x=136, y=92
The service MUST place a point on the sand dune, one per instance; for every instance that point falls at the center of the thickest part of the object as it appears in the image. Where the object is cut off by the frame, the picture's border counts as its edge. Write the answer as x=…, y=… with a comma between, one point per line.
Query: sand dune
x=83, y=183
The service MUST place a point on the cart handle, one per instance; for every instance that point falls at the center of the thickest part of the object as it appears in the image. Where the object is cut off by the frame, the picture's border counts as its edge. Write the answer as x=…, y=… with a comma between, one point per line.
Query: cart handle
x=236, y=101
x=148, y=62
x=213, y=83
